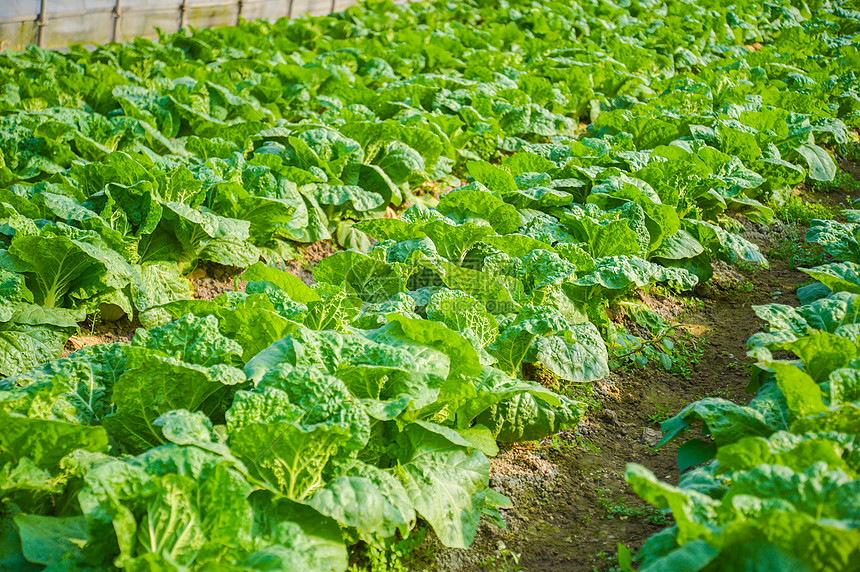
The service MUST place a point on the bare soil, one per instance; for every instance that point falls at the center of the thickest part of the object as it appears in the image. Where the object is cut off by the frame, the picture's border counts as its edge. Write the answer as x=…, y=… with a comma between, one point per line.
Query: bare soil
x=102, y=332
x=210, y=280
x=310, y=255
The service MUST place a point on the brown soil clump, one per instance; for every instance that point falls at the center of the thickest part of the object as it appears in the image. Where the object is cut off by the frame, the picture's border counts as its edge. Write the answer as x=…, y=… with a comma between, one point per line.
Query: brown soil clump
x=310, y=255
x=210, y=280
x=121, y=331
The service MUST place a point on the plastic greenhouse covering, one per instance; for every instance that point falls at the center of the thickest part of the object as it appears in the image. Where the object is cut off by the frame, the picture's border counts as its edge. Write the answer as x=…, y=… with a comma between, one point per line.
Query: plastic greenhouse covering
x=59, y=23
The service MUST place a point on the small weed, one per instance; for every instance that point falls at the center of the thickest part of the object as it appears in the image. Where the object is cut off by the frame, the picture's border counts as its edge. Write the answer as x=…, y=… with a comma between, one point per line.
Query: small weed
x=791, y=246
x=556, y=443
x=664, y=412
x=675, y=349
x=604, y=558
x=584, y=392
x=795, y=211
x=750, y=269
x=722, y=393
x=694, y=303
x=586, y=444
x=687, y=354
x=96, y=318
x=841, y=182
x=559, y=443
x=618, y=509
x=505, y=560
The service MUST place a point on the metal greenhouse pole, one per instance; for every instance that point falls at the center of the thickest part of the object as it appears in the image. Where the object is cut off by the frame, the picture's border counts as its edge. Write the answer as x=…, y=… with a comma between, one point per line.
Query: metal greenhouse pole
x=41, y=24
x=117, y=18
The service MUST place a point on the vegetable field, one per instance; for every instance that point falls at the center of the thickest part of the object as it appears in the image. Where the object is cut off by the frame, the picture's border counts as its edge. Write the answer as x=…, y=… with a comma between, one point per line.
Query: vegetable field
x=501, y=190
